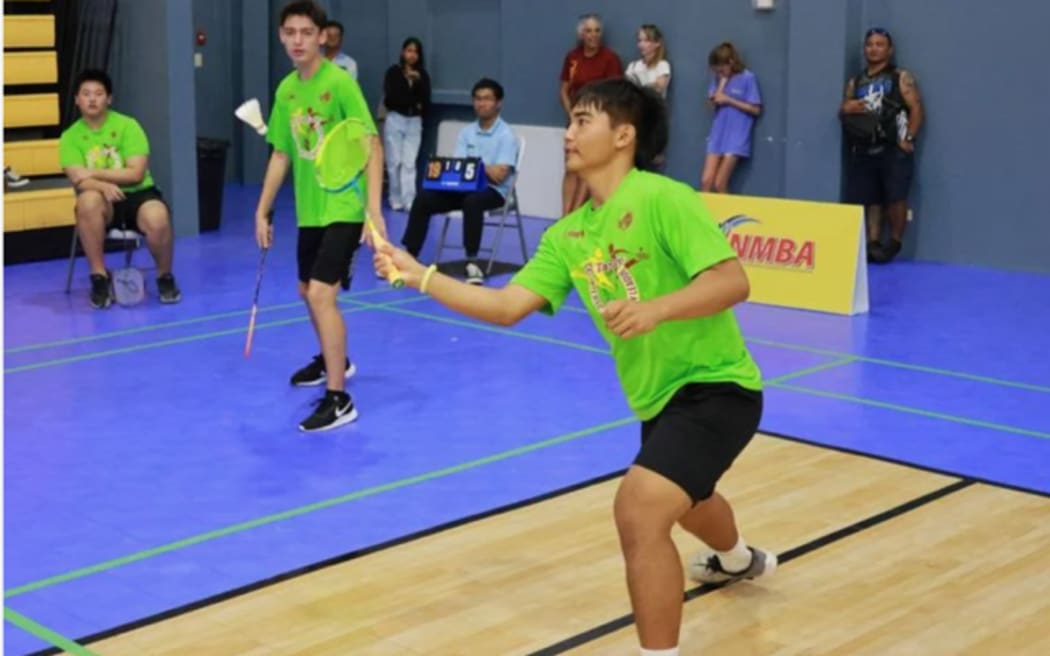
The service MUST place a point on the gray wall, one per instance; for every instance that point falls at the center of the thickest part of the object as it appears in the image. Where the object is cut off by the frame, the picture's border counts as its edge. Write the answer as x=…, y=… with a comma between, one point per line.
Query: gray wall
x=152, y=73
x=979, y=66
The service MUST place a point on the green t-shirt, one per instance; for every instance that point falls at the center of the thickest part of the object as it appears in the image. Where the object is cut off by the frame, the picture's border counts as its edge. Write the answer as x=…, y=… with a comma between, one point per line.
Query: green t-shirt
x=650, y=238
x=303, y=110
x=109, y=147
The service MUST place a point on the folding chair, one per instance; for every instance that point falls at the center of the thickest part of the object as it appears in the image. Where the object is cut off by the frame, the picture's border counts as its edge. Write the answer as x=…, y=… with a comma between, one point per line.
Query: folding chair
x=501, y=221
x=113, y=236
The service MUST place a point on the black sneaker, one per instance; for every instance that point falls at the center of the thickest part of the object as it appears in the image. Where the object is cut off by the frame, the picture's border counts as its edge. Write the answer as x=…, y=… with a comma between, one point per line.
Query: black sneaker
x=101, y=291
x=167, y=289
x=333, y=409
x=314, y=373
x=474, y=274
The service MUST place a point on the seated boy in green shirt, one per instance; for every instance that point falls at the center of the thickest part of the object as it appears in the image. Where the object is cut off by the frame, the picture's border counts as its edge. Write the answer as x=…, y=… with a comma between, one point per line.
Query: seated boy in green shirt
x=105, y=154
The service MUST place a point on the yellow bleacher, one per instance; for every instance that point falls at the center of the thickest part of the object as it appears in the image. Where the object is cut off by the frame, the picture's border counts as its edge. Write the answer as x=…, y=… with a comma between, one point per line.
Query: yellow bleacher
x=29, y=32
x=39, y=205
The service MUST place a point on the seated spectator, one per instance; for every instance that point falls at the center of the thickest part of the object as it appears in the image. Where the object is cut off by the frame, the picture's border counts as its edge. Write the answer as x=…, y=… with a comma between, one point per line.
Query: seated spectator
x=105, y=154
x=491, y=139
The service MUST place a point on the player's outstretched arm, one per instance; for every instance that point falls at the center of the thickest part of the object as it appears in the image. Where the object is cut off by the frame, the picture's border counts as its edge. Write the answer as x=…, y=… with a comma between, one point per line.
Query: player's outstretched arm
x=505, y=306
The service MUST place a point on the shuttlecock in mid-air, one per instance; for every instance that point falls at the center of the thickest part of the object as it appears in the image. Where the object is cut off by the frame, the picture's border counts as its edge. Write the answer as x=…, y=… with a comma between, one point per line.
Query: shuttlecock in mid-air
x=251, y=113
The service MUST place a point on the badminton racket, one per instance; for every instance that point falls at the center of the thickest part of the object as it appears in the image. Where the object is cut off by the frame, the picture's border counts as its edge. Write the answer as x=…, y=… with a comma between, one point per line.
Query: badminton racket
x=255, y=296
x=340, y=166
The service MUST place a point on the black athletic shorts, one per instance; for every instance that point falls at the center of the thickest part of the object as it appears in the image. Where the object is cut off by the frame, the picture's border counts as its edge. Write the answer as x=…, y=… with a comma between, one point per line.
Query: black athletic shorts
x=326, y=254
x=126, y=212
x=698, y=435
x=881, y=177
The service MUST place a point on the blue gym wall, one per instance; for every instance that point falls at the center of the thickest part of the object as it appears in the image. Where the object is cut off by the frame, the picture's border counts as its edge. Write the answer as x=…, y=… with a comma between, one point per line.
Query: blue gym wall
x=981, y=157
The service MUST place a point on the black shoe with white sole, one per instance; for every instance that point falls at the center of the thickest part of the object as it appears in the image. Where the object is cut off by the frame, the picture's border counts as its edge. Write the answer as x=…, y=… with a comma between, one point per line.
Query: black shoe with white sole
x=474, y=274
x=314, y=373
x=333, y=409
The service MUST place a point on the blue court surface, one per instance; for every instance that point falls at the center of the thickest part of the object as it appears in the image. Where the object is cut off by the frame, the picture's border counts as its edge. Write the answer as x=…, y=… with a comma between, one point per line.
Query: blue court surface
x=149, y=465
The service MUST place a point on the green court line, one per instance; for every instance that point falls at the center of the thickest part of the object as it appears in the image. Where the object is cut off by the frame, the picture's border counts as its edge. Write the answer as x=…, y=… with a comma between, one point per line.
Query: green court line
x=887, y=363
x=810, y=370
x=911, y=410
x=45, y=634
x=313, y=507
x=190, y=338
x=175, y=324
x=905, y=365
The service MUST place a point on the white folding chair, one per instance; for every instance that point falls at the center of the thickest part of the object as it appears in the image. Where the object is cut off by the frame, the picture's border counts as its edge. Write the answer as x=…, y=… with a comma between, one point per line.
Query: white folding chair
x=499, y=218
x=113, y=236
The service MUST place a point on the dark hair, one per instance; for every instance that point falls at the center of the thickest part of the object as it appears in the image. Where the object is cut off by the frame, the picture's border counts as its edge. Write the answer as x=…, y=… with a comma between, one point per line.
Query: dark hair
x=726, y=53
x=881, y=31
x=626, y=102
x=307, y=8
x=336, y=24
x=488, y=83
x=93, y=75
x=410, y=41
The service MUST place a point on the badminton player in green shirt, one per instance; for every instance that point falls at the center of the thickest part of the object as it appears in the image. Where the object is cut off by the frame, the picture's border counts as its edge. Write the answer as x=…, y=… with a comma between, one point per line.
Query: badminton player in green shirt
x=308, y=103
x=659, y=280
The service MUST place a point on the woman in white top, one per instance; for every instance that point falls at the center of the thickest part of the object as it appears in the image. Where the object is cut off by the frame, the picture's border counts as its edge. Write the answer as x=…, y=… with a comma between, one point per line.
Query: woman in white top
x=652, y=70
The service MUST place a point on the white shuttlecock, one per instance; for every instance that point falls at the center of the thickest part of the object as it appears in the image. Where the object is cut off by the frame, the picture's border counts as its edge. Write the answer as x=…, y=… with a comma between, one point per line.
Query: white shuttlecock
x=251, y=113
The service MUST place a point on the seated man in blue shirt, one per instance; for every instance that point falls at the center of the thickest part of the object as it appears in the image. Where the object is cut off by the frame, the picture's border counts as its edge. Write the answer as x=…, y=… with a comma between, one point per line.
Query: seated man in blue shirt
x=491, y=139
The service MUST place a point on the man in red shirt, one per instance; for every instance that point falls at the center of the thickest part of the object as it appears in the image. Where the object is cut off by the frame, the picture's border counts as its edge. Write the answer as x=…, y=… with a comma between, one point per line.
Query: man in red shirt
x=587, y=62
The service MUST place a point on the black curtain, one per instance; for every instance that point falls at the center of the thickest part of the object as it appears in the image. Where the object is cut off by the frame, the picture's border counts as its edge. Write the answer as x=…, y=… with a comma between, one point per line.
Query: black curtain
x=84, y=34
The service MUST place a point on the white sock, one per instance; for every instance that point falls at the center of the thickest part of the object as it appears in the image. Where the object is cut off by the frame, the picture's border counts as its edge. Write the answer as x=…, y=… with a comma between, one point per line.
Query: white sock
x=736, y=559
x=673, y=651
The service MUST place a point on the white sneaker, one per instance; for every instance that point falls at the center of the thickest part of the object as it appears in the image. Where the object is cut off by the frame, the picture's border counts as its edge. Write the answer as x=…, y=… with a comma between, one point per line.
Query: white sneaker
x=705, y=567
x=12, y=178
x=475, y=276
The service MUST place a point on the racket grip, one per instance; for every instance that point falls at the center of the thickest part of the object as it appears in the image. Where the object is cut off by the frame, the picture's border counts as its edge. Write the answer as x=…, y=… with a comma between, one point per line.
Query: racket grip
x=393, y=276
x=251, y=331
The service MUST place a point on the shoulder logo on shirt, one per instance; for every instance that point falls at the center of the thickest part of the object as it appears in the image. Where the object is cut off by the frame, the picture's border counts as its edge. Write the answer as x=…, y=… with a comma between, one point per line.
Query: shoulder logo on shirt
x=625, y=221
x=756, y=249
x=308, y=132
x=606, y=275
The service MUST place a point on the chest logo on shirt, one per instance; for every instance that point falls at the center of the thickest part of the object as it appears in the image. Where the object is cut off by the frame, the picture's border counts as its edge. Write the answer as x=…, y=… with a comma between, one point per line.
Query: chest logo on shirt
x=308, y=132
x=104, y=157
x=607, y=272
x=626, y=221
x=326, y=97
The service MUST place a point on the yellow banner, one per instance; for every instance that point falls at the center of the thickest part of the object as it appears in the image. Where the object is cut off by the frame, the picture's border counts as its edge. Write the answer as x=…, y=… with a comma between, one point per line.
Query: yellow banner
x=797, y=254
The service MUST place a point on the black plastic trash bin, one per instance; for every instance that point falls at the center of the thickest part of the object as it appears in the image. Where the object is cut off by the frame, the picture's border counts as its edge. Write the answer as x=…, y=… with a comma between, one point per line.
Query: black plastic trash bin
x=211, y=178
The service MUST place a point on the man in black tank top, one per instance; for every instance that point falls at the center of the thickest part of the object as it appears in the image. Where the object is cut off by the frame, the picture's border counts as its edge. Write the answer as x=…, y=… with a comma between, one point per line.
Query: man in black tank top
x=881, y=116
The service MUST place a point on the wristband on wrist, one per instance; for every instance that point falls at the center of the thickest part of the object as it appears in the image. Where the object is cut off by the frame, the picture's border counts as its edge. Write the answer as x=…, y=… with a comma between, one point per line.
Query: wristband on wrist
x=426, y=278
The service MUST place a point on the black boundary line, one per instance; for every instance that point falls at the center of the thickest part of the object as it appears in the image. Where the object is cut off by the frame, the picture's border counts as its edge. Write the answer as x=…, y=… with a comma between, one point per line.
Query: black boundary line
x=904, y=463
x=787, y=556
x=328, y=562
x=336, y=560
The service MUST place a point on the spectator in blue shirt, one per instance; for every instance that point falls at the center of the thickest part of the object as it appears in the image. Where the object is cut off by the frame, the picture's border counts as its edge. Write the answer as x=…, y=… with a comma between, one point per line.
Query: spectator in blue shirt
x=492, y=140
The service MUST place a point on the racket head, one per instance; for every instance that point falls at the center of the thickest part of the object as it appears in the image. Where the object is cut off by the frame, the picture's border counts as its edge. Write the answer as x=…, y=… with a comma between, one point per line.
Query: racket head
x=343, y=155
x=129, y=286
